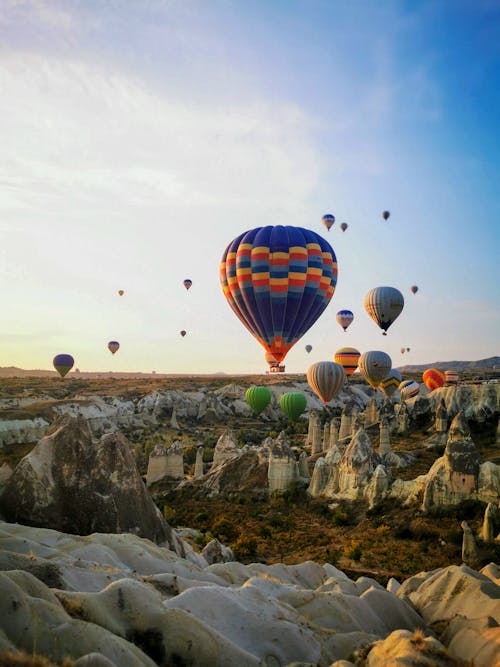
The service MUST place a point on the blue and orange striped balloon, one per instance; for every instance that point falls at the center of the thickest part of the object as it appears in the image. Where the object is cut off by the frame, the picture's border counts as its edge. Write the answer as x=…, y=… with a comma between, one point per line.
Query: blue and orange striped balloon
x=278, y=281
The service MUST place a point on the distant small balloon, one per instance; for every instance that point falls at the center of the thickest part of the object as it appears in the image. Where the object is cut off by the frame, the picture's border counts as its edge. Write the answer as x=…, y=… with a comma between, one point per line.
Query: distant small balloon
x=121, y=292
x=414, y=289
x=386, y=215
x=345, y=318
x=183, y=333
x=113, y=346
x=407, y=349
x=403, y=350
x=309, y=348
x=409, y=388
x=344, y=226
x=63, y=363
x=328, y=219
x=187, y=283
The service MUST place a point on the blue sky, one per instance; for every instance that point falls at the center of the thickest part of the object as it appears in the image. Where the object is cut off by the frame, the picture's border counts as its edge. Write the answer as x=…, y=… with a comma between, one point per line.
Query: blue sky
x=139, y=137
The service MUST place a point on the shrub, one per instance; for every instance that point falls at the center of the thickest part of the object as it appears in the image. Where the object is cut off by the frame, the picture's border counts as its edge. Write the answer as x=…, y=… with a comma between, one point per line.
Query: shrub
x=245, y=548
x=225, y=530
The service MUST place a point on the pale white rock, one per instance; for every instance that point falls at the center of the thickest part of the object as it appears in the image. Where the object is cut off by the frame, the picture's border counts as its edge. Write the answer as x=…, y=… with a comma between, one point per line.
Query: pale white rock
x=470, y=553
x=357, y=465
x=371, y=414
x=216, y=552
x=492, y=571
x=393, y=585
x=165, y=462
x=283, y=469
x=400, y=648
x=22, y=431
x=225, y=449
x=489, y=482
x=319, y=478
x=303, y=466
x=476, y=640
x=325, y=444
x=488, y=531
x=198, y=466
x=315, y=422
x=377, y=487
x=332, y=460
x=173, y=419
x=334, y=434
x=384, y=437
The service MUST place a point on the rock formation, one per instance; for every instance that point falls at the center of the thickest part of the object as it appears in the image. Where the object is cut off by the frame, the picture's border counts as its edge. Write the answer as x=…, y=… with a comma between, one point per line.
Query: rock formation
x=385, y=439
x=304, y=466
x=489, y=528
x=348, y=414
x=22, y=431
x=319, y=478
x=376, y=489
x=371, y=414
x=165, y=462
x=283, y=469
x=334, y=433
x=403, y=418
x=325, y=444
x=357, y=465
x=470, y=553
x=315, y=430
x=225, y=449
x=70, y=482
x=198, y=466
x=216, y=552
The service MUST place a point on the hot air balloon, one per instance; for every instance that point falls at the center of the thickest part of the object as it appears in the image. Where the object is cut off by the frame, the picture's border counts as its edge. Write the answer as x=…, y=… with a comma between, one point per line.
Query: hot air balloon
x=187, y=283
x=113, y=346
x=386, y=215
x=344, y=226
x=278, y=281
x=433, y=378
x=347, y=357
x=391, y=383
x=328, y=220
x=121, y=292
x=270, y=359
x=383, y=305
x=409, y=388
x=414, y=289
x=374, y=366
x=309, y=348
x=293, y=404
x=451, y=377
x=407, y=349
x=326, y=379
x=183, y=333
x=403, y=350
x=63, y=363
x=258, y=398
x=344, y=318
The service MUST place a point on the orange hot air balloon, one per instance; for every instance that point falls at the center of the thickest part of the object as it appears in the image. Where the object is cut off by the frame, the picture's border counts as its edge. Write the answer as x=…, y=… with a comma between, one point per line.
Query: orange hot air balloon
x=348, y=358
x=433, y=378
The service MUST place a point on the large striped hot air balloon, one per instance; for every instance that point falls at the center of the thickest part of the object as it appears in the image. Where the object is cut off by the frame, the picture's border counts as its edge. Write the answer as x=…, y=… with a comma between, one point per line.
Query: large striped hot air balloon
x=278, y=281
x=344, y=318
x=391, y=383
x=293, y=404
x=433, y=378
x=451, y=377
x=409, y=388
x=258, y=398
x=328, y=220
x=374, y=366
x=63, y=363
x=347, y=357
x=326, y=379
x=383, y=305
x=113, y=346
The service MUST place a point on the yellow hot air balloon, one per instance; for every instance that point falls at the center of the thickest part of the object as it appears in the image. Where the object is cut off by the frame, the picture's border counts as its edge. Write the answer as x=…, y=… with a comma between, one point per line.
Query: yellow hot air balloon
x=347, y=357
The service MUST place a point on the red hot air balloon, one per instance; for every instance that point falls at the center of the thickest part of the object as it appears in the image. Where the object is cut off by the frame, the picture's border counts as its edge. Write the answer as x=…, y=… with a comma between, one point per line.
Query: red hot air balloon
x=433, y=378
x=278, y=281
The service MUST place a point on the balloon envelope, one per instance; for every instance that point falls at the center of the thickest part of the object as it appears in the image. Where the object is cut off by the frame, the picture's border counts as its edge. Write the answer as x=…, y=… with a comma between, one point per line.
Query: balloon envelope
x=278, y=281
x=409, y=388
x=451, y=377
x=187, y=283
x=391, y=383
x=344, y=318
x=414, y=289
x=293, y=404
x=309, y=348
x=183, y=333
x=258, y=398
x=344, y=226
x=433, y=378
x=326, y=379
x=113, y=346
x=386, y=215
x=383, y=305
x=348, y=358
x=63, y=363
x=328, y=220
x=403, y=350
x=121, y=292
x=374, y=366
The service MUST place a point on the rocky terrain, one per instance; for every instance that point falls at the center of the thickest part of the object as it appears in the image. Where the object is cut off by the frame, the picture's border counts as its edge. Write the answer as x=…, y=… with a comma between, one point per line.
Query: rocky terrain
x=90, y=481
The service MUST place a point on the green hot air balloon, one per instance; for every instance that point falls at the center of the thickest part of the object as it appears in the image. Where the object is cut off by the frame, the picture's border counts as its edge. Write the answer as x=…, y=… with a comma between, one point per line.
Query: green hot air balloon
x=293, y=404
x=258, y=398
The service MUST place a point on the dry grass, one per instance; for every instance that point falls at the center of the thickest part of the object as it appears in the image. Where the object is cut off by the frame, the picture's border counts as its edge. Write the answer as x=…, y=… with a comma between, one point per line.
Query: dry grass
x=11, y=659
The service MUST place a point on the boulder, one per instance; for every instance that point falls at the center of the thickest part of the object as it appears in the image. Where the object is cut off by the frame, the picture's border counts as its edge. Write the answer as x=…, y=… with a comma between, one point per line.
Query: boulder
x=72, y=483
x=225, y=449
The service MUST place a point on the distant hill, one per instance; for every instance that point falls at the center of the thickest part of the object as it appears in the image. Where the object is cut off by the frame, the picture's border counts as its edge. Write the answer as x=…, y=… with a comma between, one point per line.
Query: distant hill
x=492, y=363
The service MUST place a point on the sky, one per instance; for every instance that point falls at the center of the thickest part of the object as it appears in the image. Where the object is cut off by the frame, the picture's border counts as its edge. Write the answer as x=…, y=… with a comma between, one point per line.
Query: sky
x=139, y=137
